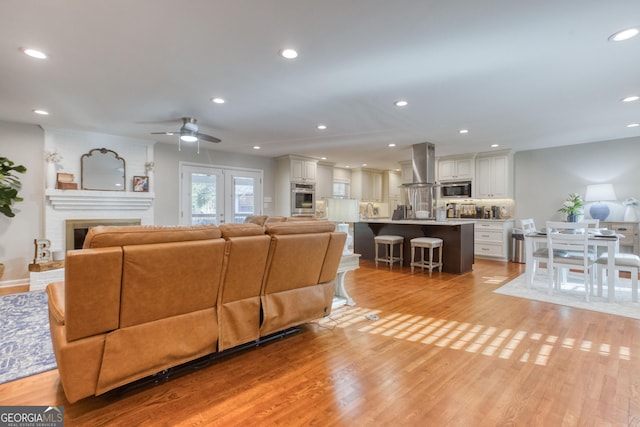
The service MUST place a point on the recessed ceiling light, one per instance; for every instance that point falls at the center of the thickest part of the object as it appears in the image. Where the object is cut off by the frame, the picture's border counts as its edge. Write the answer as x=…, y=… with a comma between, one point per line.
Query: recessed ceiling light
x=256, y=147
x=217, y=100
x=323, y=158
x=41, y=112
x=401, y=103
x=364, y=164
x=288, y=53
x=630, y=98
x=463, y=131
x=391, y=145
x=624, y=34
x=633, y=125
x=347, y=166
x=495, y=145
x=35, y=53
x=321, y=127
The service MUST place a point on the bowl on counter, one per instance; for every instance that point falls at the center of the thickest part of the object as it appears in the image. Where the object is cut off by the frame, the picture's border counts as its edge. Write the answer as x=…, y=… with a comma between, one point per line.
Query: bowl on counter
x=422, y=215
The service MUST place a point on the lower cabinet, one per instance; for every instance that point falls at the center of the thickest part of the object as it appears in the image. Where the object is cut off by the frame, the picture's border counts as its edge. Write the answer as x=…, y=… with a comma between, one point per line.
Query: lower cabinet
x=493, y=239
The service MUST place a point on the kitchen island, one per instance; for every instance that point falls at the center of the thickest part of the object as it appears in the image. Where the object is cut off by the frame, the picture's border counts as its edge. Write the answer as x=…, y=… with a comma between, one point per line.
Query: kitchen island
x=457, y=237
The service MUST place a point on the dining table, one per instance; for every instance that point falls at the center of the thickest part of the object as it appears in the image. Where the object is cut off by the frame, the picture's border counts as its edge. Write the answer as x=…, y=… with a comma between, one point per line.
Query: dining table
x=596, y=238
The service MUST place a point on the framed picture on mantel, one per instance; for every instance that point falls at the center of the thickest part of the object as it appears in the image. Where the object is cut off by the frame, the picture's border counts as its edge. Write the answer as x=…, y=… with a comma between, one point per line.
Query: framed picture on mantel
x=140, y=183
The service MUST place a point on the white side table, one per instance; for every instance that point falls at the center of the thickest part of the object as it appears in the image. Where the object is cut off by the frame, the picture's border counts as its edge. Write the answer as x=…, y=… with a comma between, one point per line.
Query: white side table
x=347, y=263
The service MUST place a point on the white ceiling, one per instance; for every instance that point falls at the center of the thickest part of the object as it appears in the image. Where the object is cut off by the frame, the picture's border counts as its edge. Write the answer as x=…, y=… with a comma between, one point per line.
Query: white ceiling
x=522, y=74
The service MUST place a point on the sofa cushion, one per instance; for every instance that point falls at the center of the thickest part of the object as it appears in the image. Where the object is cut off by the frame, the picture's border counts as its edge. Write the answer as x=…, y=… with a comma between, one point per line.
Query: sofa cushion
x=241, y=230
x=105, y=236
x=299, y=227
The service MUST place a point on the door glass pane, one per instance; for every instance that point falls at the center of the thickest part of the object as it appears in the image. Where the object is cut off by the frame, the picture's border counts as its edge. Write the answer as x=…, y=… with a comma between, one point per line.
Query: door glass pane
x=243, y=198
x=203, y=199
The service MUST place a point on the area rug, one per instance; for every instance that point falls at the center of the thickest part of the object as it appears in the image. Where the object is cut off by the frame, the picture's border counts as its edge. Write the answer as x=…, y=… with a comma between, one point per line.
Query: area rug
x=25, y=342
x=572, y=295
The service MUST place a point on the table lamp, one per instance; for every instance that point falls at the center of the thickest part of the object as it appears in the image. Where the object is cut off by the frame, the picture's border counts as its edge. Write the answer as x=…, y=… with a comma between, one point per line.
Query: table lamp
x=598, y=193
x=343, y=211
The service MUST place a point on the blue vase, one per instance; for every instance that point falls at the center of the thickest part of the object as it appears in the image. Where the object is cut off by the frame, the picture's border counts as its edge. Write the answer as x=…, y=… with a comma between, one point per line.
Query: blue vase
x=572, y=218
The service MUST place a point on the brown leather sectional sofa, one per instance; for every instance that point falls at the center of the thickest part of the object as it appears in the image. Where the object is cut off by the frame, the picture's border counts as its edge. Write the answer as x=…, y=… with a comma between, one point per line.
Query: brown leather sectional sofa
x=138, y=300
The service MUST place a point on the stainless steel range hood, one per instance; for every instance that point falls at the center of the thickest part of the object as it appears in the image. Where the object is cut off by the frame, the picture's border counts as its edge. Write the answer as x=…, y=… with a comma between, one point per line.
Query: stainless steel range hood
x=424, y=163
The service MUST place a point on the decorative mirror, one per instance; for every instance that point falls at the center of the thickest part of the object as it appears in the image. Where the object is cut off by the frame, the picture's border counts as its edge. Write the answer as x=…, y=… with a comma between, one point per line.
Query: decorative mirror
x=102, y=169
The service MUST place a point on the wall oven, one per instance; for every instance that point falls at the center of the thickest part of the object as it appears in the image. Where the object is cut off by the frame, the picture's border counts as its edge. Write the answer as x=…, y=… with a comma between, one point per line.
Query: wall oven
x=455, y=190
x=303, y=199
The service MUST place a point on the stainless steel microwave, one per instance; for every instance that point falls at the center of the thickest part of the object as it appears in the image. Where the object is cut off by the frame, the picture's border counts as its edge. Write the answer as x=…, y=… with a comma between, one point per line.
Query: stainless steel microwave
x=455, y=190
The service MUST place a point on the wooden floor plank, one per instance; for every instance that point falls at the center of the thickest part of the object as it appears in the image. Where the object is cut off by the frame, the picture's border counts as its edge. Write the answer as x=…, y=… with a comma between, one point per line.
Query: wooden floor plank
x=445, y=350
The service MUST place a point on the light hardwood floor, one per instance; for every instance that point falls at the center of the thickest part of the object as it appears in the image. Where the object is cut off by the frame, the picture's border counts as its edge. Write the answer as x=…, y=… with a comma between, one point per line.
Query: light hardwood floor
x=446, y=351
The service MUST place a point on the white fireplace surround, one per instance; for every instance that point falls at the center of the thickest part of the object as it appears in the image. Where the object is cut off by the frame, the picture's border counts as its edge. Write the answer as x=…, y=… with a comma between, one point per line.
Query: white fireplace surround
x=62, y=205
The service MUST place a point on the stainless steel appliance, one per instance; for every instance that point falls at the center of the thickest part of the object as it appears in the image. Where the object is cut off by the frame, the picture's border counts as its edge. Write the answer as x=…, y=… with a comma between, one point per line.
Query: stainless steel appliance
x=303, y=199
x=420, y=194
x=455, y=190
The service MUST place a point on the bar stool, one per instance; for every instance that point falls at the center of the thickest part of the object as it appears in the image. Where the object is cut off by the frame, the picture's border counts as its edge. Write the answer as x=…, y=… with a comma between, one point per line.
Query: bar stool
x=422, y=243
x=389, y=242
x=629, y=263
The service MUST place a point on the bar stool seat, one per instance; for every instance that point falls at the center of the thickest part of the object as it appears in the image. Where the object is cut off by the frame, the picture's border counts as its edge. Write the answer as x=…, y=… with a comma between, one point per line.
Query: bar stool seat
x=388, y=242
x=426, y=242
x=629, y=263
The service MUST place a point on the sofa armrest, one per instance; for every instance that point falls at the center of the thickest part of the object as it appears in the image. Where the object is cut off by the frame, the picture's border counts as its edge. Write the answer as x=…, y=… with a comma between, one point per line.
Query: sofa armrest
x=55, y=294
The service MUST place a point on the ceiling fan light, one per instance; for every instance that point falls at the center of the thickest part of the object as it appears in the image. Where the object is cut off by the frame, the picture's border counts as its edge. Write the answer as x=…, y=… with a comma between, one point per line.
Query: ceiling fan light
x=188, y=136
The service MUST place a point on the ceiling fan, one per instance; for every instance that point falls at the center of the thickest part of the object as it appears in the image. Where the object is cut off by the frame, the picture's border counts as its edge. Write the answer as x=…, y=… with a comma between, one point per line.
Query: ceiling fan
x=189, y=132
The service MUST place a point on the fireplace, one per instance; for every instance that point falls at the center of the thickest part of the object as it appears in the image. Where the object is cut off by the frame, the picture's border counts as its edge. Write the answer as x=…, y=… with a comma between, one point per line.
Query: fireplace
x=77, y=229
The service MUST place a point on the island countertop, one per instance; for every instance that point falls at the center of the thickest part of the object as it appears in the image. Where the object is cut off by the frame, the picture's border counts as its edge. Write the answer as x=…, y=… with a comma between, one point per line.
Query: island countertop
x=456, y=221
x=412, y=221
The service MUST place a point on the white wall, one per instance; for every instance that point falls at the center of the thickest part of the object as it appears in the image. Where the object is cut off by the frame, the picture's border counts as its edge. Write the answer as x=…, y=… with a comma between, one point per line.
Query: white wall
x=544, y=178
x=25, y=144
x=22, y=144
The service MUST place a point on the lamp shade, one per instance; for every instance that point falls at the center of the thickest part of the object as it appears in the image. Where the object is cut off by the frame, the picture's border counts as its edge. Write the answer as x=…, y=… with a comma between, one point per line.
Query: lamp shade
x=342, y=210
x=599, y=193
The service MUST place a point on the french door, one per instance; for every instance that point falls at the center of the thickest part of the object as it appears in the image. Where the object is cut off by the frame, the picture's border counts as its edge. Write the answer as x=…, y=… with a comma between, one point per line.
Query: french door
x=217, y=195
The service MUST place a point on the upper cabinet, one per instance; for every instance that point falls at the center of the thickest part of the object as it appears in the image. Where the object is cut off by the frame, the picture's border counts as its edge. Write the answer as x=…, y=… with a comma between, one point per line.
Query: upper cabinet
x=366, y=185
x=494, y=176
x=391, y=194
x=455, y=169
x=406, y=172
x=324, y=181
x=303, y=170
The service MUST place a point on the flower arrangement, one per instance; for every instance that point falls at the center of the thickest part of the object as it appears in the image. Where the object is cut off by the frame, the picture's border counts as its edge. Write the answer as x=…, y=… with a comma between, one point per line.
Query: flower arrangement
x=572, y=205
x=52, y=157
x=630, y=201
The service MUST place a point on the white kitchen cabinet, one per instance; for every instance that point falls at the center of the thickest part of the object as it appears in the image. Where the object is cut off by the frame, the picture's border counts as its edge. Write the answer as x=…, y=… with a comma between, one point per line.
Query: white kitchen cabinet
x=391, y=188
x=494, y=177
x=291, y=169
x=303, y=170
x=455, y=169
x=366, y=185
x=492, y=239
x=406, y=172
x=324, y=181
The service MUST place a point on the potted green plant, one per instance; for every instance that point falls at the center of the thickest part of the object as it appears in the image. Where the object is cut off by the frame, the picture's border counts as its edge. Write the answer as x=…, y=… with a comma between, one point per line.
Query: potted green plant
x=9, y=185
x=572, y=206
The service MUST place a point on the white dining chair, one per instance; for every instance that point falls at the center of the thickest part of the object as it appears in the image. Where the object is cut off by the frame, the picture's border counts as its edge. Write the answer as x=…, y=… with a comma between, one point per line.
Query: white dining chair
x=572, y=238
x=539, y=252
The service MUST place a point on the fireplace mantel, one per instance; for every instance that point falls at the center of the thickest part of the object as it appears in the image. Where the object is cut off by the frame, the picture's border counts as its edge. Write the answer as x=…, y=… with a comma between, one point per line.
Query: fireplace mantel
x=99, y=200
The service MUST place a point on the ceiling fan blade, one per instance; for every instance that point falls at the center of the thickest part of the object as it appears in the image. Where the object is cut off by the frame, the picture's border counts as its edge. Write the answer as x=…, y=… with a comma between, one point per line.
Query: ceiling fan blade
x=163, y=133
x=206, y=137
